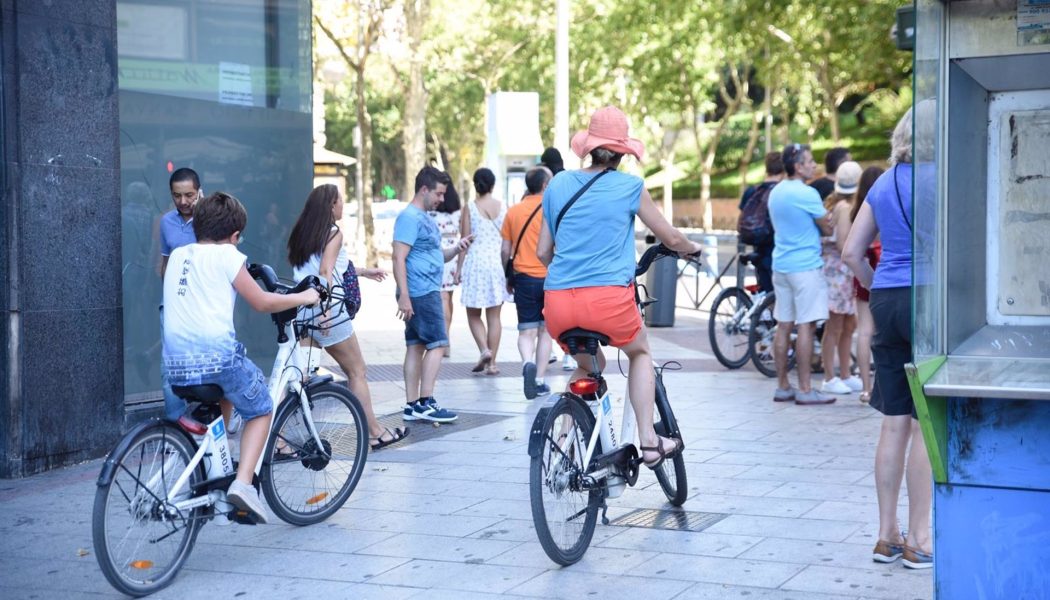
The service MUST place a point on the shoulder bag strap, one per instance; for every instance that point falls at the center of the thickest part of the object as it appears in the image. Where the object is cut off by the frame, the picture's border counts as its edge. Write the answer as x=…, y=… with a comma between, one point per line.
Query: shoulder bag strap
x=576, y=197
x=900, y=204
x=521, y=234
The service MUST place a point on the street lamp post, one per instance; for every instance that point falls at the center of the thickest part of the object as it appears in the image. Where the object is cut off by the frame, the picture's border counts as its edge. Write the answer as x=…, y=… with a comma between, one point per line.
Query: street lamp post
x=561, y=78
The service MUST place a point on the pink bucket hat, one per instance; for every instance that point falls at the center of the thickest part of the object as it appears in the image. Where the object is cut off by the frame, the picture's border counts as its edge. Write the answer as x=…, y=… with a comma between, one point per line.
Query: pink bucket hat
x=608, y=129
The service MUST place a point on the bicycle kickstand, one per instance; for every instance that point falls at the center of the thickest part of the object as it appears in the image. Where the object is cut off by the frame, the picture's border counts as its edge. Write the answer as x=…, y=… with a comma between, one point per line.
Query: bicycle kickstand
x=605, y=511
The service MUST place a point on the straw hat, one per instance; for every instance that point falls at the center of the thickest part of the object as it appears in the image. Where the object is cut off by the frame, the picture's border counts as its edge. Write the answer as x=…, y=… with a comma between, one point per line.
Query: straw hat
x=608, y=129
x=847, y=177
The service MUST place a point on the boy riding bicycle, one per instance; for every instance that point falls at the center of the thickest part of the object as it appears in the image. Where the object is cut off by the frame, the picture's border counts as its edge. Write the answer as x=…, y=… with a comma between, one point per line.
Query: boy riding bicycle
x=200, y=345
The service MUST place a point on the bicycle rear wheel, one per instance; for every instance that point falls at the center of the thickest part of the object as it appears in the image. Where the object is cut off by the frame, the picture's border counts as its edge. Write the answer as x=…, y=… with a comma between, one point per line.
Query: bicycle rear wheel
x=141, y=541
x=670, y=474
x=727, y=328
x=563, y=512
x=760, y=339
x=303, y=483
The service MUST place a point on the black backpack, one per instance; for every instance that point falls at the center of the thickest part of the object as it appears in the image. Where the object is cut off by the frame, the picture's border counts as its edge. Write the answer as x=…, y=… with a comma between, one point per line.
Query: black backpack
x=754, y=226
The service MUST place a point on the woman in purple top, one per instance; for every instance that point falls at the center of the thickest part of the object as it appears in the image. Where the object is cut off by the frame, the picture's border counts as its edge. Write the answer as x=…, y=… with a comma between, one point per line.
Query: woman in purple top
x=887, y=212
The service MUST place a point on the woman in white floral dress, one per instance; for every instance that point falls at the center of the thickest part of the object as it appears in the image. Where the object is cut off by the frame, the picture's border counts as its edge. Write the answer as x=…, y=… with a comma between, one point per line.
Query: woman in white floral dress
x=447, y=217
x=481, y=270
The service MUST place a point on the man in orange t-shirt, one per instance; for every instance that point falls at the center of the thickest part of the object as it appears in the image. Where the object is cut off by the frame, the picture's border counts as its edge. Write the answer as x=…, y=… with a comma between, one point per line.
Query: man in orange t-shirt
x=524, y=221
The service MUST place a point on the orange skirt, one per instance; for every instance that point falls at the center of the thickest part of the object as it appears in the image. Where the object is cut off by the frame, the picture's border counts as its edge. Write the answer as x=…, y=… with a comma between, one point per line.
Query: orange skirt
x=609, y=310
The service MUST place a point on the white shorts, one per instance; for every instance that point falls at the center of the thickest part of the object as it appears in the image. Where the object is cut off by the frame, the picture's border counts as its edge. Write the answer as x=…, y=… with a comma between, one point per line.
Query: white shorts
x=801, y=297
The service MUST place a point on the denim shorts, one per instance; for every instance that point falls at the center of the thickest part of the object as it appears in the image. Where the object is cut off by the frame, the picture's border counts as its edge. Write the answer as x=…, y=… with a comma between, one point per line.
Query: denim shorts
x=242, y=383
x=427, y=325
x=528, y=301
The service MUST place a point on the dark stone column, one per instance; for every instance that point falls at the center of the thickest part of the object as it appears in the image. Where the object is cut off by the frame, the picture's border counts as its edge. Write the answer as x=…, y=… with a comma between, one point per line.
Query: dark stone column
x=63, y=362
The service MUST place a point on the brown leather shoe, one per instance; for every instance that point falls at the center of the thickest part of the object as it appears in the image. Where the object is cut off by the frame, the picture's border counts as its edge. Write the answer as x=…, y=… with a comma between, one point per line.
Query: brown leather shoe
x=887, y=552
x=917, y=559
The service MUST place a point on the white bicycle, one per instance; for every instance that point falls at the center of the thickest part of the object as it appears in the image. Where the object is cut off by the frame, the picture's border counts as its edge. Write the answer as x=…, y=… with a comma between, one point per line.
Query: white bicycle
x=159, y=485
x=576, y=466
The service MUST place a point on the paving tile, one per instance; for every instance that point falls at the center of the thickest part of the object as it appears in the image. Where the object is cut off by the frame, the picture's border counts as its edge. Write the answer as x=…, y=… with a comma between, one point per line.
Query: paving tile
x=820, y=474
x=720, y=591
x=454, y=549
x=522, y=530
x=445, y=505
x=569, y=584
x=751, y=505
x=403, y=522
x=768, y=459
x=823, y=491
x=302, y=563
x=807, y=552
x=457, y=576
x=609, y=560
x=886, y=581
x=712, y=569
x=700, y=543
x=800, y=529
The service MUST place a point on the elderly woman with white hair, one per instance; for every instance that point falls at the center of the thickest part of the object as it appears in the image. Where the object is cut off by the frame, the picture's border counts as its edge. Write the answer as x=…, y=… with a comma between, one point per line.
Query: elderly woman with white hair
x=887, y=212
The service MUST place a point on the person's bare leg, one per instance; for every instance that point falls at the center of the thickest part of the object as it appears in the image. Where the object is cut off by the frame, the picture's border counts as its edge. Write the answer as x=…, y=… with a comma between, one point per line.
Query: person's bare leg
x=641, y=384
x=919, y=477
x=253, y=440
x=803, y=355
x=446, y=304
x=829, y=344
x=348, y=354
x=527, y=345
x=227, y=411
x=431, y=366
x=889, y=470
x=584, y=367
x=495, y=329
x=543, y=351
x=849, y=325
x=781, y=343
x=477, y=329
x=413, y=369
x=866, y=327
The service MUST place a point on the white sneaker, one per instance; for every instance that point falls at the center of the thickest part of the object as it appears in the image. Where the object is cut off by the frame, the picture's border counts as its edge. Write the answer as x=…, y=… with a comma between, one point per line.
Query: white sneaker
x=854, y=383
x=834, y=386
x=236, y=421
x=245, y=497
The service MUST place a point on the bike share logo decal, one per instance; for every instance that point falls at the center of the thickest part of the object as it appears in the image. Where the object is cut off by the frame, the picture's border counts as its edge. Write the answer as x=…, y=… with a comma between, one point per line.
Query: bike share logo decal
x=606, y=405
x=218, y=430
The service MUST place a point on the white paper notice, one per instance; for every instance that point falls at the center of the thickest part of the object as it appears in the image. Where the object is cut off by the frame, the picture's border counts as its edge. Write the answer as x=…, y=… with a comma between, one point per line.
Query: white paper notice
x=235, y=84
x=1033, y=22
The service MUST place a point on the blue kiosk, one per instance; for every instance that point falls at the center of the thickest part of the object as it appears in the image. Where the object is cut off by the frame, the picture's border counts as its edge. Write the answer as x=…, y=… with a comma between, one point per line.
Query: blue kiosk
x=981, y=378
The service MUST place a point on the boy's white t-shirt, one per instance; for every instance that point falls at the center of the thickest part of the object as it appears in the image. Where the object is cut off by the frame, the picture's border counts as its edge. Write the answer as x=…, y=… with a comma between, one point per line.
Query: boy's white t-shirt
x=198, y=304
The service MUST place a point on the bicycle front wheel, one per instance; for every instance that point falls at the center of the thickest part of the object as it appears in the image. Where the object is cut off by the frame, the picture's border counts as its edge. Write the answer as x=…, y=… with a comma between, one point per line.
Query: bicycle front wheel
x=727, y=328
x=305, y=483
x=670, y=474
x=141, y=540
x=563, y=511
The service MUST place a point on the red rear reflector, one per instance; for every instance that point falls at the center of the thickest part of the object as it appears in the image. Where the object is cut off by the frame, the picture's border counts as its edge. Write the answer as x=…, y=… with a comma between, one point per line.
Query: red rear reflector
x=753, y=288
x=584, y=387
x=192, y=426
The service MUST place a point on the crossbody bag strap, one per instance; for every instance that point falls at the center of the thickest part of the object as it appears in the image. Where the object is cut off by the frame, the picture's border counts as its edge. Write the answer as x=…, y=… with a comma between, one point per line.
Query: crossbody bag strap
x=564, y=209
x=521, y=234
x=900, y=203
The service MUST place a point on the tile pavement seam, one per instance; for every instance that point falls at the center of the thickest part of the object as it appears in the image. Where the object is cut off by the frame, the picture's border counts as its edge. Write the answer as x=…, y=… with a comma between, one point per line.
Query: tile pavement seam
x=227, y=570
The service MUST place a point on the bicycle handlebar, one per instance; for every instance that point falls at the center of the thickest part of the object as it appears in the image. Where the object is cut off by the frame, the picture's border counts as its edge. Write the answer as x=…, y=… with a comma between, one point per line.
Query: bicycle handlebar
x=652, y=254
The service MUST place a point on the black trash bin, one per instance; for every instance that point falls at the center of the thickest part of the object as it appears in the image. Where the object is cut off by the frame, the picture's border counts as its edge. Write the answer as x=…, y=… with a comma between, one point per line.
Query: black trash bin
x=661, y=281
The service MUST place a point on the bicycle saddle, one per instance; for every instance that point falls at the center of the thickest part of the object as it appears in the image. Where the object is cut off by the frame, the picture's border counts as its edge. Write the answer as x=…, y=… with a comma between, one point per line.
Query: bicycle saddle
x=577, y=339
x=208, y=392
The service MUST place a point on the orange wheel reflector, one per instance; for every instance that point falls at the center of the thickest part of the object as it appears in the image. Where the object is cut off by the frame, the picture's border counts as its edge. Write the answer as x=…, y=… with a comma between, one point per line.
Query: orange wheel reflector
x=142, y=564
x=317, y=498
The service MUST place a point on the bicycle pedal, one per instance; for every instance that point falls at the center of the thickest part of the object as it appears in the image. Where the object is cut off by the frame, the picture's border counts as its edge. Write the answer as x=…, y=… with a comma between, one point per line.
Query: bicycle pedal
x=243, y=517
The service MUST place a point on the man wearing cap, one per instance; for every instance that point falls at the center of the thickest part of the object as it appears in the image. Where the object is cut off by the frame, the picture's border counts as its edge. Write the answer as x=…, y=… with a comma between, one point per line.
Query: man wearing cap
x=590, y=256
x=799, y=219
x=842, y=304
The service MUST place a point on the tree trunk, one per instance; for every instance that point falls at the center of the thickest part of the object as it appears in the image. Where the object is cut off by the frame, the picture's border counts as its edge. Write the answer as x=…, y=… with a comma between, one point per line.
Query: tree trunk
x=829, y=96
x=414, y=130
x=752, y=141
x=364, y=163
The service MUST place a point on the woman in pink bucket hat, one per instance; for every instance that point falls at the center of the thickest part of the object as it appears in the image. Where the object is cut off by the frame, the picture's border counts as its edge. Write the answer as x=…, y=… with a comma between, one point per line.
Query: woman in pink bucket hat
x=590, y=252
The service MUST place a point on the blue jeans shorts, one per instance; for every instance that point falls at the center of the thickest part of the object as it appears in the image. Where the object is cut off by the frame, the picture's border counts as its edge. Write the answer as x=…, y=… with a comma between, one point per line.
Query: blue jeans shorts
x=427, y=325
x=241, y=381
x=528, y=301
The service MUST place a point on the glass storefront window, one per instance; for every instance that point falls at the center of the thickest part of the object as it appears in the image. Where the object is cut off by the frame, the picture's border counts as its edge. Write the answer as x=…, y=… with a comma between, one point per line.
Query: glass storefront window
x=222, y=87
